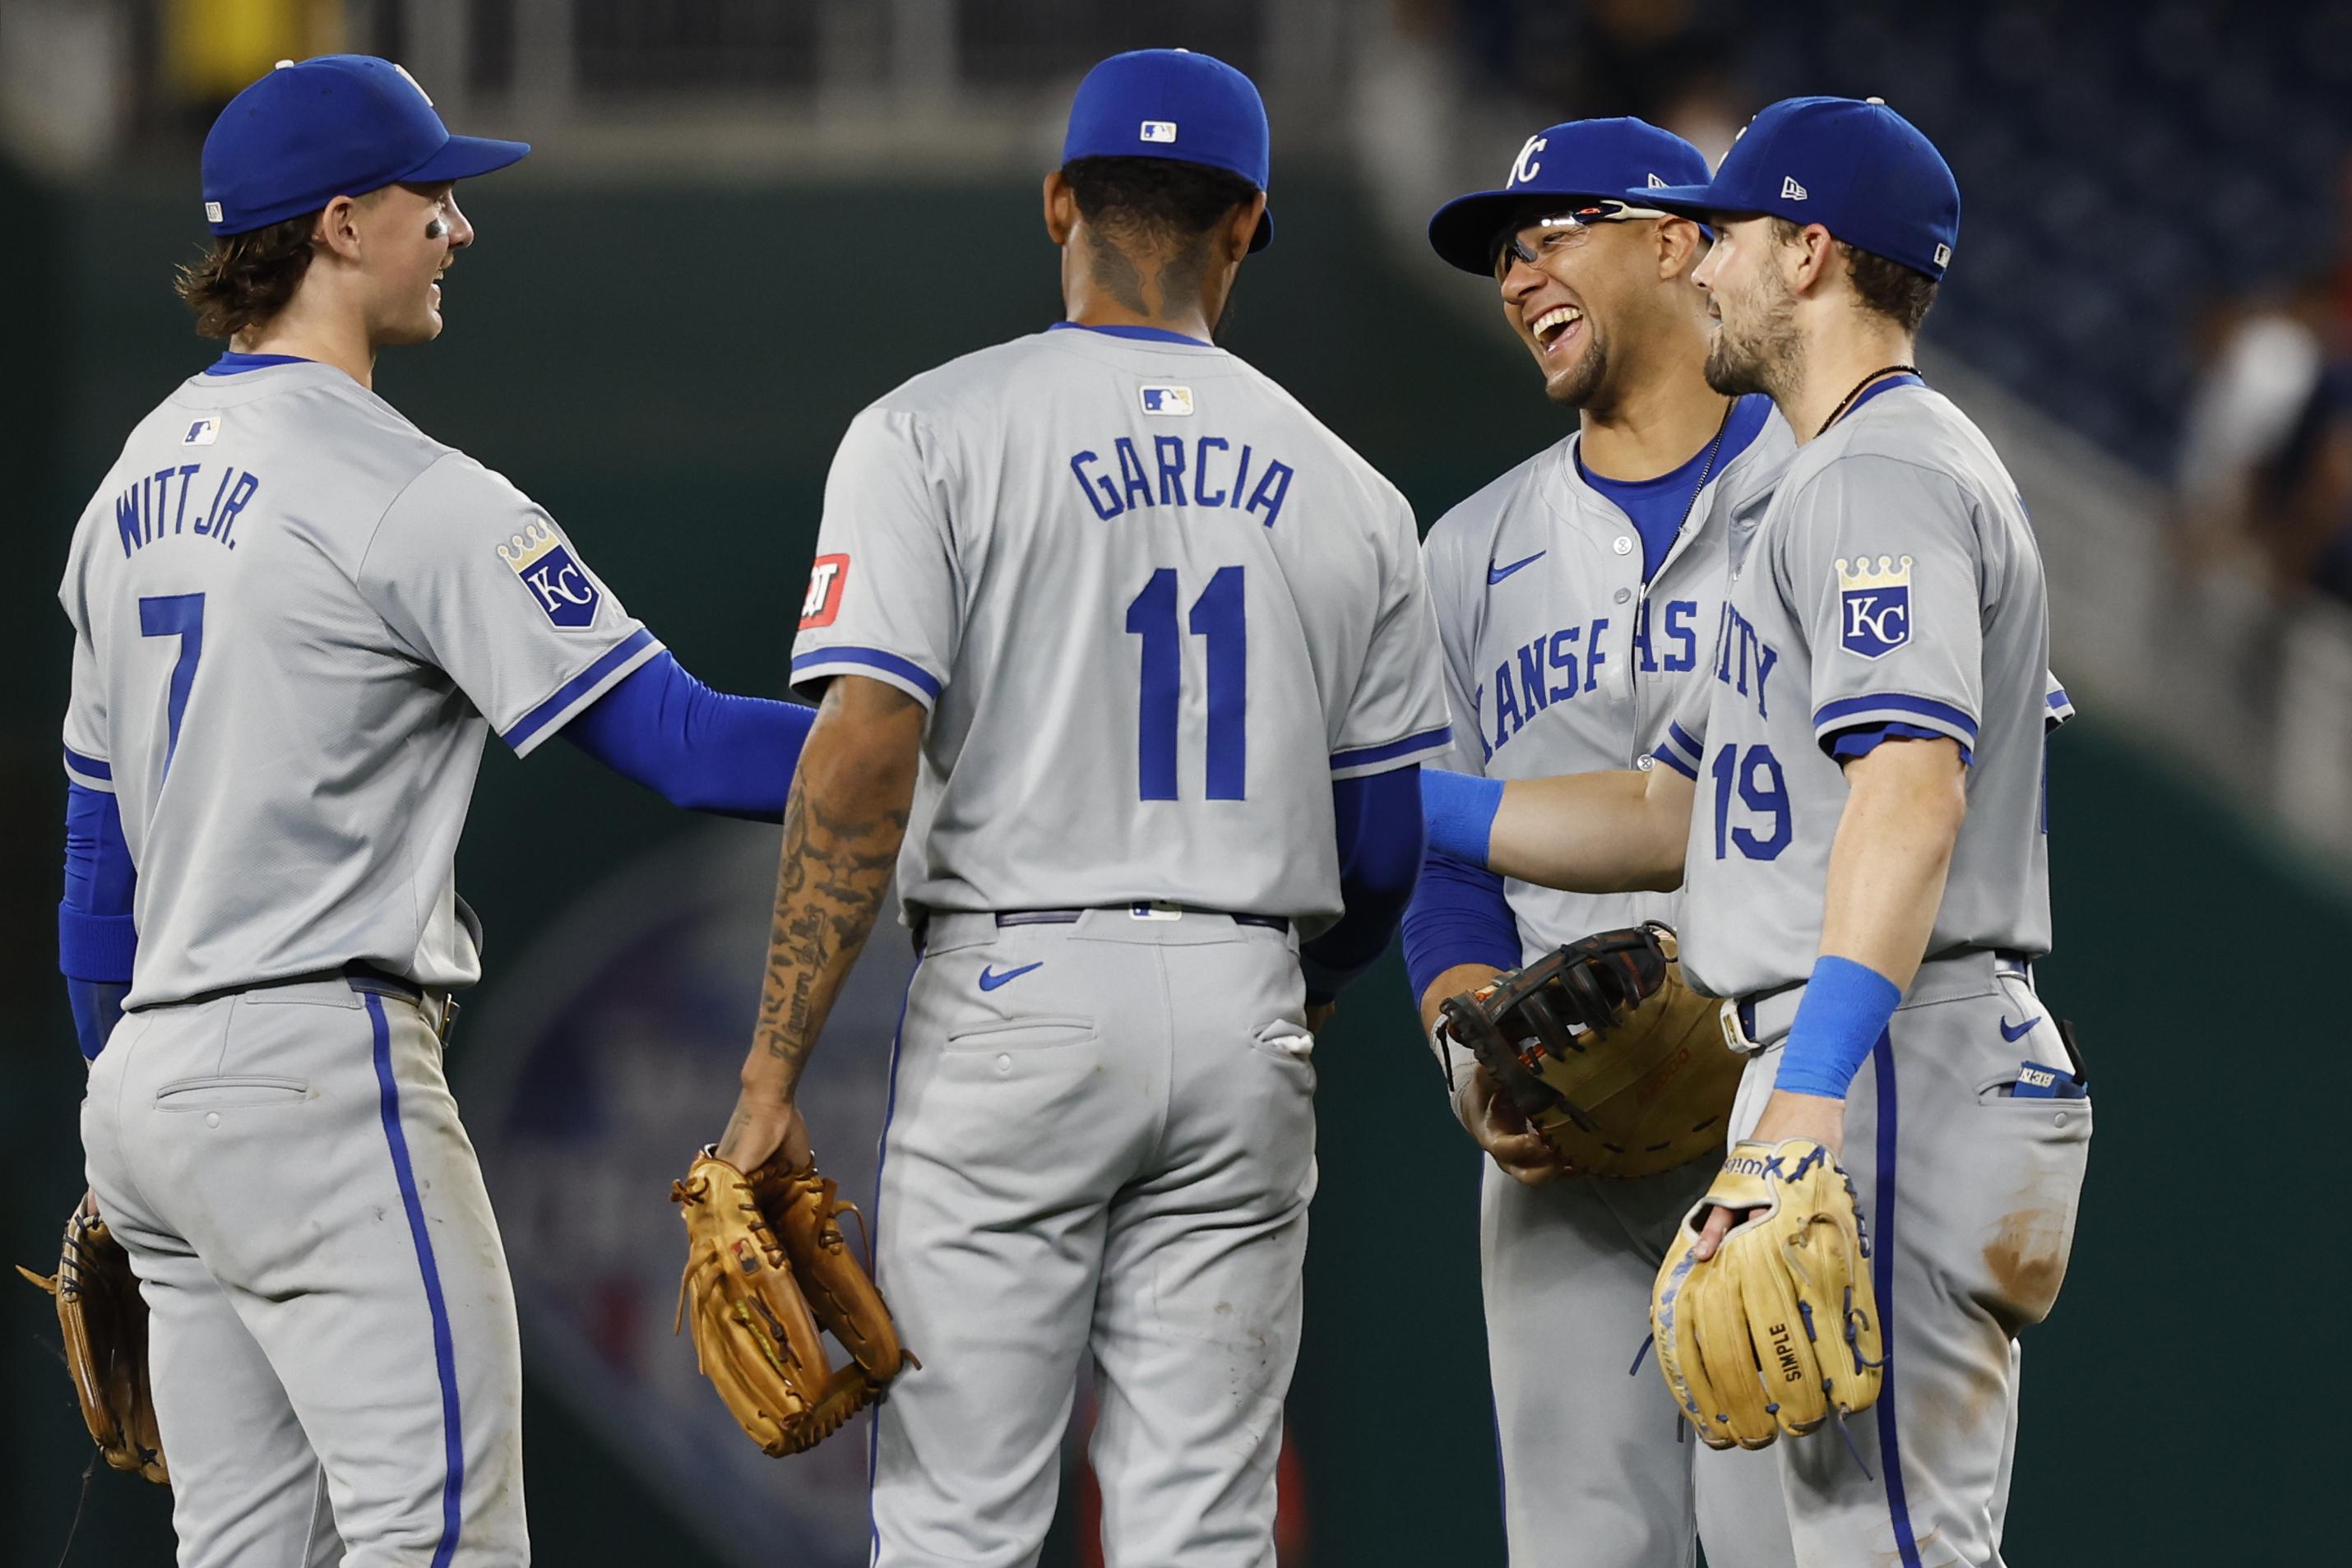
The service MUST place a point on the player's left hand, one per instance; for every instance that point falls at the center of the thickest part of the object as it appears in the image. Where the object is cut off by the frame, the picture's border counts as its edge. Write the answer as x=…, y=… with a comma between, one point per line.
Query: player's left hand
x=1785, y=1116
x=761, y=1126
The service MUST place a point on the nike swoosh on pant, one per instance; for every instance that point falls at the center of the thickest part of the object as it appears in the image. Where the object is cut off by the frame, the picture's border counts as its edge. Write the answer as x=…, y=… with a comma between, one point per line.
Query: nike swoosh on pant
x=2020, y=1032
x=1496, y=574
x=988, y=982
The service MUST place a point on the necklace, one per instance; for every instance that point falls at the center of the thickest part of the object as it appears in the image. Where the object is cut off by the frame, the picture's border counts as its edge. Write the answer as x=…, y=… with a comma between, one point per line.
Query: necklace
x=1847, y=402
x=1706, y=469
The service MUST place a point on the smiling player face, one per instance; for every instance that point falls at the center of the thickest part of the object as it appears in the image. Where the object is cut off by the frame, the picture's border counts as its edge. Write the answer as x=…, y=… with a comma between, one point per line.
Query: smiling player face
x=410, y=233
x=1567, y=303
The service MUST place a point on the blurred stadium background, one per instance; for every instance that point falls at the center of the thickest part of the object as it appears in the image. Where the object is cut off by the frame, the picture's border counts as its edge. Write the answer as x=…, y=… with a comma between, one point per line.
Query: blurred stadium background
x=746, y=218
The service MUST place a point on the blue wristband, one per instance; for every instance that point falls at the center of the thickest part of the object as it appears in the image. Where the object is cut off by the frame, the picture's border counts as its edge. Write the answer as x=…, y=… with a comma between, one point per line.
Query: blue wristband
x=1459, y=809
x=95, y=947
x=1845, y=1009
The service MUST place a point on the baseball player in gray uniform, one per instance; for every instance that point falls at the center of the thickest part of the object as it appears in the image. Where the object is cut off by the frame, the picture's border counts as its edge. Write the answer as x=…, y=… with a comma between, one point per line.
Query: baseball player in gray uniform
x=1578, y=597
x=296, y=619
x=1857, y=811
x=1128, y=665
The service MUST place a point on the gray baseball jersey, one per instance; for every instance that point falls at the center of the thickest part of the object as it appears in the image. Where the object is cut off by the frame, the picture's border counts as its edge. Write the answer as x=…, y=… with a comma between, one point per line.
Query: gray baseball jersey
x=1895, y=580
x=1155, y=608
x=1558, y=659
x=296, y=619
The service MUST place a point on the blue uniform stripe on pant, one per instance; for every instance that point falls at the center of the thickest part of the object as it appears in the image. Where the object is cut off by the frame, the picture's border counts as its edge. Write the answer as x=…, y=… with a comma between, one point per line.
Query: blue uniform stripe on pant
x=445, y=1355
x=1881, y=1273
x=881, y=1152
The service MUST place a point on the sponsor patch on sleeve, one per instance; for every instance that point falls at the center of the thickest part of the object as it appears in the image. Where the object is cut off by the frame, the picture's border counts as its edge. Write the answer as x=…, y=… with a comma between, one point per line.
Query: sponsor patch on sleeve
x=1875, y=604
x=822, y=601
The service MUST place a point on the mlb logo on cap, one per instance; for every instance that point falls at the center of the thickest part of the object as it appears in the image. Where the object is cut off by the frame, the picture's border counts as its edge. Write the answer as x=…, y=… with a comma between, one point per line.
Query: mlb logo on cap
x=1159, y=131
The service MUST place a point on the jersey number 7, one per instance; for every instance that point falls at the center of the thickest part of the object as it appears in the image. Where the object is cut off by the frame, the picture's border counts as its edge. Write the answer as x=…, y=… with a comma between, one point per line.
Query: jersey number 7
x=180, y=615
x=1221, y=615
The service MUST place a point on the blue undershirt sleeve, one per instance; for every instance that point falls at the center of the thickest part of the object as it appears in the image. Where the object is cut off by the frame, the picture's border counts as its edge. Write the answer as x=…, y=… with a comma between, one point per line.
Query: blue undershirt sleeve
x=1458, y=915
x=1379, y=828
x=705, y=750
x=96, y=937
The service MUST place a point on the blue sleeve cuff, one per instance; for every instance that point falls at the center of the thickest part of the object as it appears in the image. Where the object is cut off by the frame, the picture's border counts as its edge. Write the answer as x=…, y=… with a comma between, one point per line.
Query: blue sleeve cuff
x=1862, y=740
x=1458, y=915
x=1459, y=809
x=1843, y=1013
x=95, y=947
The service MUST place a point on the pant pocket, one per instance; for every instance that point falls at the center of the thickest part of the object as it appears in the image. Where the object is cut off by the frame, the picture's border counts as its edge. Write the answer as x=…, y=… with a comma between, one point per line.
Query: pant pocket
x=221, y=1092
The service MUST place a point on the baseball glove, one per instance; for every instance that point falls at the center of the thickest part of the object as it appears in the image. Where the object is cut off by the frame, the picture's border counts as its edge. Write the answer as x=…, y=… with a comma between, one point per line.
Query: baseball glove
x=1619, y=1065
x=767, y=1269
x=105, y=1324
x=1781, y=1326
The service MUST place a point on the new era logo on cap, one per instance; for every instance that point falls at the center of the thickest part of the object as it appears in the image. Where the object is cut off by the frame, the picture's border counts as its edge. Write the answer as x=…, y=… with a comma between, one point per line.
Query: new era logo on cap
x=212, y=212
x=1656, y=183
x=1943, y=256
x=1789, y=190
x=1158, y=131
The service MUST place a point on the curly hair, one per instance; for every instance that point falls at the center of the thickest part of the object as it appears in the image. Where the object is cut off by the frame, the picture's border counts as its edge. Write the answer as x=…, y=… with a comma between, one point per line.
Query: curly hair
x=1885, y=287
x=242, y=280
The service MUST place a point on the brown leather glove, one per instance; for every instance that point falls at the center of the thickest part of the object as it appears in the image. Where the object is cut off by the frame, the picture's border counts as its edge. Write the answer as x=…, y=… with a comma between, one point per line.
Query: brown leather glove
x=105, y=1324
x=1618, y=1064
x=767, y=1269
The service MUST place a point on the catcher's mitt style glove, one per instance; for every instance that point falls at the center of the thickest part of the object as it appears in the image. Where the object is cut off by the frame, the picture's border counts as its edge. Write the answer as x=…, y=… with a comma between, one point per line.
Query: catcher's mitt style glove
x=1619, y=1065
x=766, y=1268
x=105, y=1324
x=1781, y=1326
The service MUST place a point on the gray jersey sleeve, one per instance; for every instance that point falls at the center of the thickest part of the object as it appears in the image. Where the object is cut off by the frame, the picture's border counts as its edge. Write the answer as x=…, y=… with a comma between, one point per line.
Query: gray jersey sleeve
x=1457, y=634
x=1397, y=712
x=1684, y=745
x=480, y=582
x=1884, y=577
x=882, y=598
x=88, y=757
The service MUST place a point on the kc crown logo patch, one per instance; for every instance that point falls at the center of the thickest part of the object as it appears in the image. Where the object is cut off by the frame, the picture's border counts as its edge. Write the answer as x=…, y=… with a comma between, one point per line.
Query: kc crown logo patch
x=1873, y=605
x=565, y=592
x=827, y=578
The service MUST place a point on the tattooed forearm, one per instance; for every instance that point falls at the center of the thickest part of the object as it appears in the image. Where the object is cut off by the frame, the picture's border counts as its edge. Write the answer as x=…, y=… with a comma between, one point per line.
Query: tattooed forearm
x=844, y=821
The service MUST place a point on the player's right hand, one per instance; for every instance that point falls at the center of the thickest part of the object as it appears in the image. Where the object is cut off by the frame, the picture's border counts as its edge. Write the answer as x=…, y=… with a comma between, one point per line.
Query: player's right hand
x=1504, y=1132
x=761, y=1126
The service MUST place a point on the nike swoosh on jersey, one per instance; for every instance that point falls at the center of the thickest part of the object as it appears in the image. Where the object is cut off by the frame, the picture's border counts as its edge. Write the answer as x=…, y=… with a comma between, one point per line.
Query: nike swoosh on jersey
x=2021, y=1031
x=1496, y=574
x=988, y=981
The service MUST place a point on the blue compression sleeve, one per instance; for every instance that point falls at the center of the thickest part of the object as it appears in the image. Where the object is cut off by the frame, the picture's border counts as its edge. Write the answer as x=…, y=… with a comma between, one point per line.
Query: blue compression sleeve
x=96, y=939
x=704, y=750
x=1378, y=824
x=1460, y=811
x=1458, y=915
x=1844, y=1011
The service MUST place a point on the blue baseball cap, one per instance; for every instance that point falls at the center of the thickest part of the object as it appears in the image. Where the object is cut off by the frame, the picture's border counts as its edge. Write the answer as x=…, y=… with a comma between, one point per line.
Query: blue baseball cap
x=1173, y=104
x=1599, y=158
x=339, y=125
x=1851, y=165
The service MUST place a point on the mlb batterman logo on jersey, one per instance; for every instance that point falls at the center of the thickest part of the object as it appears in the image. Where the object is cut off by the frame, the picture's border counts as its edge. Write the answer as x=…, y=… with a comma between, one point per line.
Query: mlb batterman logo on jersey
x=1875, y=601
x=566, y=594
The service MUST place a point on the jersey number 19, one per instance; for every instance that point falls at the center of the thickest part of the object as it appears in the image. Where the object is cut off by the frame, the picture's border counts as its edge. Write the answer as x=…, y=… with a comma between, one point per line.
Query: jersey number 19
x=1221, y=616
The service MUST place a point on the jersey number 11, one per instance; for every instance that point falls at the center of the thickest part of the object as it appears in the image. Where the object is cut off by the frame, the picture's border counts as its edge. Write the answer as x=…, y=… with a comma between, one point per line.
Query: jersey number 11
x=1221, y=616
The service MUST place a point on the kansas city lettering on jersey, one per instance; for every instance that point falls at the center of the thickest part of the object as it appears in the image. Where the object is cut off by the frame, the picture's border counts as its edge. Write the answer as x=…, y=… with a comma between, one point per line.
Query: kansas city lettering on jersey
x=1204, y=471
x=1556, y=668
x=1679, y=619
x=1744, y=661
x=155, y=506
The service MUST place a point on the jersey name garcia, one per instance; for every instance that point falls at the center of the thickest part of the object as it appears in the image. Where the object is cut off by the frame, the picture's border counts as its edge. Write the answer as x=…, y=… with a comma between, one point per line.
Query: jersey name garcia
x=1895, y=580
x=1155, y=609
x=1558, y=659
x=296, y=619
